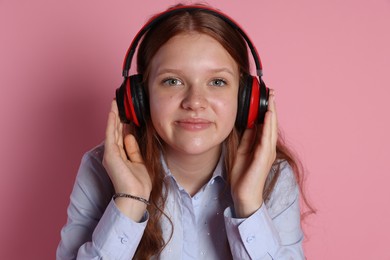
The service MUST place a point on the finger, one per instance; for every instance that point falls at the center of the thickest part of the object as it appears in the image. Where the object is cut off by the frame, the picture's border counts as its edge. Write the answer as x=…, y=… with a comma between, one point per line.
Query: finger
x=114, y=110
x=246, y=141
x=266, y=133
x=119, y=132
x=114, y=107
x=114, y=140
x=132, y=149
x=274, y=119
x=121, y=142
x=118, y=125
x=111, y=126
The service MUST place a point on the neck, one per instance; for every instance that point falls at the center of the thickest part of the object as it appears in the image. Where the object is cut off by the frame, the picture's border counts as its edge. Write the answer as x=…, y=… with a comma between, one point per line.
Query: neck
x=192, y=171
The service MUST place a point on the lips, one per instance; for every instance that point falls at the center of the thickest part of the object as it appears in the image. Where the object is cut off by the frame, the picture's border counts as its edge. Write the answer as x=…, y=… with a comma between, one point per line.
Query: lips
x=194, y=124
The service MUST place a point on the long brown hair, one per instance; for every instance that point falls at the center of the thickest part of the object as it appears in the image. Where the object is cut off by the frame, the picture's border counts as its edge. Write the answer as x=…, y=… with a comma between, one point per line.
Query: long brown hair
x=182, y=22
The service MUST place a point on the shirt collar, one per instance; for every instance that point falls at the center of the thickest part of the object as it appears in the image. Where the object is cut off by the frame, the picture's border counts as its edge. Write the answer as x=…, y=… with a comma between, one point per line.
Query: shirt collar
x=218, y=171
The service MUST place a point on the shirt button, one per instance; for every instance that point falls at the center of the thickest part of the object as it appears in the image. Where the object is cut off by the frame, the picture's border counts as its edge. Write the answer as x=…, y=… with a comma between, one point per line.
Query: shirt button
x=250, y=239
x=123, y=240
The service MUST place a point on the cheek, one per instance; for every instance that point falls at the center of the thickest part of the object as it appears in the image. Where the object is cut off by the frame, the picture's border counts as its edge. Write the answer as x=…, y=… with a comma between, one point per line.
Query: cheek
x=228, y=110
x=160, y=108
x=156, y=109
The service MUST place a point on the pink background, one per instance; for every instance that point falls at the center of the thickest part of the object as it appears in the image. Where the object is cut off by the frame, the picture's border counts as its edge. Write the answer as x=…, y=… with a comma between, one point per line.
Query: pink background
x=329, y=61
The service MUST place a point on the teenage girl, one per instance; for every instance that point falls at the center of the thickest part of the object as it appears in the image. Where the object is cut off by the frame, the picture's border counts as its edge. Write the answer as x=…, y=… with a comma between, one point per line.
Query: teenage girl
x=193, y=165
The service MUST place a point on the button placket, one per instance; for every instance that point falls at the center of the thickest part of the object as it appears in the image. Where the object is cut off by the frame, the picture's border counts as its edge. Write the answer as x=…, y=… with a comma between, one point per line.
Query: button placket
x=250, y=239
x=189, y=225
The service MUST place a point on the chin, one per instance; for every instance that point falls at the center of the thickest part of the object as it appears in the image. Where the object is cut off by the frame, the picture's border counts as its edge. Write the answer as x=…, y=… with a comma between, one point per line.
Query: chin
x=193, y=148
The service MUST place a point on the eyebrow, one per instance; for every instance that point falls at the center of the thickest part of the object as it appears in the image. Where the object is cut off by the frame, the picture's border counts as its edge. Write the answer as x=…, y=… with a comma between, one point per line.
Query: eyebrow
x=229, y=71
x=177, y=71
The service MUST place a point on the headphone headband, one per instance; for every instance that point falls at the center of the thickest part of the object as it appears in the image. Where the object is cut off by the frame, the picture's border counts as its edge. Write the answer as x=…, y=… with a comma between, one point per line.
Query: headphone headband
x=132, y=99
x=161, y=16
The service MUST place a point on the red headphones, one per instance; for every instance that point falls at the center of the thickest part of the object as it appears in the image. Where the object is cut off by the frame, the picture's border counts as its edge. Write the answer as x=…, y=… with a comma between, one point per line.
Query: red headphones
x=252, y=97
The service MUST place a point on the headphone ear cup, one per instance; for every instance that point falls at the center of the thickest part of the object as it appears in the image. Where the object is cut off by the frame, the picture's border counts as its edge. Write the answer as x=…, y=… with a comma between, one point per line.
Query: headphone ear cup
x=138, y=98
x=244, y=97
x=130, y=98
x=252, y=103
x=263, y=101
x=120, y=97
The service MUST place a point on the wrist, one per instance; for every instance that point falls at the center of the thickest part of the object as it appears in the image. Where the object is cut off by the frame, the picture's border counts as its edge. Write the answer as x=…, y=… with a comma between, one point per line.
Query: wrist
x=246, y=209
x=134, y=209
x=133, y=191
x=129, y=196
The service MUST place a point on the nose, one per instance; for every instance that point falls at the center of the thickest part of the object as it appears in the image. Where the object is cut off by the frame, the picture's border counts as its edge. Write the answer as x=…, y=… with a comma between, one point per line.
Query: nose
x=195, y=98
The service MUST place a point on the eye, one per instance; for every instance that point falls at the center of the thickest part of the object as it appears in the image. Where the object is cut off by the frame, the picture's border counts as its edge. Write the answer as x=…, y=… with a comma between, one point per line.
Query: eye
x=172, y=82
x=218, y=82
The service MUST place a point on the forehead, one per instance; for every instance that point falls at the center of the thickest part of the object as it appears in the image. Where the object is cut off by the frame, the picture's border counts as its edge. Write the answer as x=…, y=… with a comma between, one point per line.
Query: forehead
x=193, y=47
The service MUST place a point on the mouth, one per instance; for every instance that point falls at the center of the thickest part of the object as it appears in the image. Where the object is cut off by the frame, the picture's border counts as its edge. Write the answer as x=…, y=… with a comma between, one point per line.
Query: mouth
x=193, y=124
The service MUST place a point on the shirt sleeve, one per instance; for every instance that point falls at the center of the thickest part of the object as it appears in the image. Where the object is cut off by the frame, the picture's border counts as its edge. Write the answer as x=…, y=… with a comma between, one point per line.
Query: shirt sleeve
x=274, y=230
x=96, y=228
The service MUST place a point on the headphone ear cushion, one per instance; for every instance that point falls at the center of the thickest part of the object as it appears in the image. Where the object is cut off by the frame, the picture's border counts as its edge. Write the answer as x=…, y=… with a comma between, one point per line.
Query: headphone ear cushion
x=263, y=101
x=138, y=98
x=130, y=98
x=120, y=97
x=244, y=97
x=252, y=103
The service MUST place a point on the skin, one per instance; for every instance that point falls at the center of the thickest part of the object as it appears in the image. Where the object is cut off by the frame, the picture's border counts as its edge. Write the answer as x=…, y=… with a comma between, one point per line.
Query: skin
x=193, y=88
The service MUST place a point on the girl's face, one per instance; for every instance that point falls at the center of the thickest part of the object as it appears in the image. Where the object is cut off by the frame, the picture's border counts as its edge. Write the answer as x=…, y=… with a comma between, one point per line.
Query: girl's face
x=193, y=88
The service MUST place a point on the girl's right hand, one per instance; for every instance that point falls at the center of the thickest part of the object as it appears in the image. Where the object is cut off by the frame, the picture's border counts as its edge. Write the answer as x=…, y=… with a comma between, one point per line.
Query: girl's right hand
x=125, y=166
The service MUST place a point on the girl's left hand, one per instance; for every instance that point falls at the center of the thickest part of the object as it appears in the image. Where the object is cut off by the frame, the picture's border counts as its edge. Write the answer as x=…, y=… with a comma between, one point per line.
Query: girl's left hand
x=255, y=156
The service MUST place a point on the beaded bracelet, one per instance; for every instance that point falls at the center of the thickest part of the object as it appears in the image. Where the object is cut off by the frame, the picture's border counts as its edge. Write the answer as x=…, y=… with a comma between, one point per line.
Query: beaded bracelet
x=124, y=195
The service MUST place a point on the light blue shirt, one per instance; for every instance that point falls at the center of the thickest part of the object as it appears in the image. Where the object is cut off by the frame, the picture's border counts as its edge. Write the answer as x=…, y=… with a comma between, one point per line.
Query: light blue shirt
x=204, y=224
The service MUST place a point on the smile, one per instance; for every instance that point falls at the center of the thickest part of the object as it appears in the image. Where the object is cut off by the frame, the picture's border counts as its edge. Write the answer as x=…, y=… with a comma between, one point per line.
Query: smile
x=194, y=124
